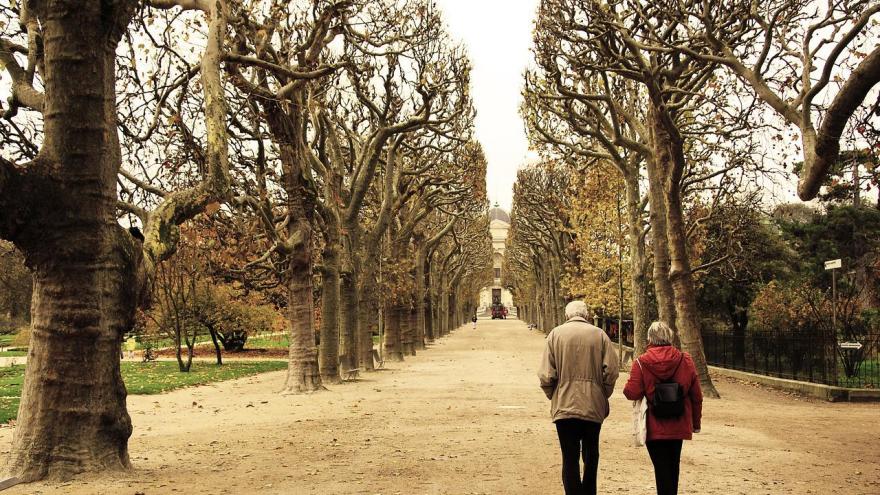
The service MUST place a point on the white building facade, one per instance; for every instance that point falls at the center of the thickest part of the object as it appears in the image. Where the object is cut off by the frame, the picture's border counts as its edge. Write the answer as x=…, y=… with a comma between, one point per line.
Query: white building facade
x=499, y=225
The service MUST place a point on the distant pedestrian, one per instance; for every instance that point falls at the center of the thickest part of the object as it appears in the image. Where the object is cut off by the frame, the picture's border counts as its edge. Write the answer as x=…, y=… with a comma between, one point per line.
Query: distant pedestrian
x=667, y=379
x=474, y=319
x=130, y=346
x=577, y=373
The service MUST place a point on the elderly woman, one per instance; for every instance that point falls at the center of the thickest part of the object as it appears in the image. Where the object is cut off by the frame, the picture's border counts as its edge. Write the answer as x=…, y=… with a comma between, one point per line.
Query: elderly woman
x=663, y=363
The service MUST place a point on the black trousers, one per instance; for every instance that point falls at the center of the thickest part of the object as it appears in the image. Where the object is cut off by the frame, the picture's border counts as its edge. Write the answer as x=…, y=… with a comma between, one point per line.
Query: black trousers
x=666, y=457
x=576, y=438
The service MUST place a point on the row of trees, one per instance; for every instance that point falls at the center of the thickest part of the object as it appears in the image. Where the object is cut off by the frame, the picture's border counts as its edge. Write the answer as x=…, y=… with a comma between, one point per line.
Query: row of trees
x=693, y=100
x=326, y=143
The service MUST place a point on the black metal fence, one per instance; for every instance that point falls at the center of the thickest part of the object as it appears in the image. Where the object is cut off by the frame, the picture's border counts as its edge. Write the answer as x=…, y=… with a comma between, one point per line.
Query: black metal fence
x=817, y=357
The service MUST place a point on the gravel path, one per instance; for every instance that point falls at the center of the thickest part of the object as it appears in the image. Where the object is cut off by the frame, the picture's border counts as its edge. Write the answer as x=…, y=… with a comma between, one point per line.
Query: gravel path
x=467, y=417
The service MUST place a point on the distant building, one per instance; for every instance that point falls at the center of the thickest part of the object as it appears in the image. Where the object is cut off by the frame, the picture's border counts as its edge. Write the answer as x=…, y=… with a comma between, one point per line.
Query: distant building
x=499, y=224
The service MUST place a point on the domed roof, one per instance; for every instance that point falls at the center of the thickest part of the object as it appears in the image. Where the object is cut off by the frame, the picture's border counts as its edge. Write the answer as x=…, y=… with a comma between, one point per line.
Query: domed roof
x=497, y=213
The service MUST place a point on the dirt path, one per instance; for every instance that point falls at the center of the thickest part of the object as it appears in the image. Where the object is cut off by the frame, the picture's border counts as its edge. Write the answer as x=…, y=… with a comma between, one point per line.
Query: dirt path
x=467, y=417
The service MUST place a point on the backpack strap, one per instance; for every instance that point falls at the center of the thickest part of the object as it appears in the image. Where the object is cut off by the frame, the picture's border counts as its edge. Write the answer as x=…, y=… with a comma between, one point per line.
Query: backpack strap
x=650, y=402
x=642, y=369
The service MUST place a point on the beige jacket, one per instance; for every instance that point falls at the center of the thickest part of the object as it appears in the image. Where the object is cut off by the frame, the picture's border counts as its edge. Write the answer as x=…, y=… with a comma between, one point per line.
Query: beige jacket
x=578, y=371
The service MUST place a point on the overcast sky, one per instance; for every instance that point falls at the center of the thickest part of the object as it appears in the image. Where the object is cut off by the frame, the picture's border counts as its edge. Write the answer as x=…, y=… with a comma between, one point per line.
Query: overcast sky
x=498, y=34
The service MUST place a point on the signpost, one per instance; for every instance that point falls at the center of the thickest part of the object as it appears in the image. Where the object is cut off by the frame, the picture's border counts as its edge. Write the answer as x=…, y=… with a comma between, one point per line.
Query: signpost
x=851, y=345
x=833, y=265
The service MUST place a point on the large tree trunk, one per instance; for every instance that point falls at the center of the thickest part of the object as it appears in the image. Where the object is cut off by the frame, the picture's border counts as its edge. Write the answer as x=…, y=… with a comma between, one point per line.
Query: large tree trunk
x=539, y=315
x=87, y=270
x=393, y=346
x=558, y=304
x=450, y=312
x=420, y=297
x=638, y=267
x=428, y=304
x=660, y=246
x=669, y=155
x=348, y=317
x=435, y=305
x=442, y=301
x=549, y=318
x=408, y=330
x=72, y=417
x=302, y=373
x=328, y=354
x=368, y=313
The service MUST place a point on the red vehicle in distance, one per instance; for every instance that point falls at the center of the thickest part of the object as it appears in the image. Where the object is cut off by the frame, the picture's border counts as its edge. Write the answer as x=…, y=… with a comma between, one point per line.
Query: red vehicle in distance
x=499, y=312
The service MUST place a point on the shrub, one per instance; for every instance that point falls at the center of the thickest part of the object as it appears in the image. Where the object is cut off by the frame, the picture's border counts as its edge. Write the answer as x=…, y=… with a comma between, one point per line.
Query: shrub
x=22, y=336
x=789, y=307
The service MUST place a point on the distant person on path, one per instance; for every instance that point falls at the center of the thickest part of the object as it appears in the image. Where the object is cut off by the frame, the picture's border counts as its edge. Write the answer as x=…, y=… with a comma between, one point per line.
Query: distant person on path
x=663, y=363
x=578, y=372
x=474, y=319
x=130, y=346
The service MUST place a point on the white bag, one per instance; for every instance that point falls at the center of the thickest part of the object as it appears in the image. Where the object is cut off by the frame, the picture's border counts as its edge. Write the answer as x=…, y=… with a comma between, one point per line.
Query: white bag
x=640, y=422
x=640, y=419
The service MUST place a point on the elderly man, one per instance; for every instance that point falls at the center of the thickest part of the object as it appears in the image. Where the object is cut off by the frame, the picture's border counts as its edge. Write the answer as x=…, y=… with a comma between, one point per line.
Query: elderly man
x=578, y=372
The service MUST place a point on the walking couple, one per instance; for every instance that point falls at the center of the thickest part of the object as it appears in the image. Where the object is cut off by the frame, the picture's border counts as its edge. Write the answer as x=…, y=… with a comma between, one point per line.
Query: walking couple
x=578, y=372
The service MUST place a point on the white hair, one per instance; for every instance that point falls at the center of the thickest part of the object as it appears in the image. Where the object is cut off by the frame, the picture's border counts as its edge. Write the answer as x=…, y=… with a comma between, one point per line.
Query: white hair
x=577, y=308
x=659, y=333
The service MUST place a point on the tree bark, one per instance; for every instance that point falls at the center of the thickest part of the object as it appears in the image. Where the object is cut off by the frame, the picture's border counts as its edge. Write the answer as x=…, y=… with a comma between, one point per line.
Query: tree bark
x=450, y=312
x=638, y=266
x=549, y=319
x=349, y=319
x=368, y=312
x=87, y=270
x=669, y=155
x=442, y=301
x=303, y=372
x=420, y=297
x=393, y=347
x=408, y=330
x=660, y=246
x=328, y=354
x=428, y=303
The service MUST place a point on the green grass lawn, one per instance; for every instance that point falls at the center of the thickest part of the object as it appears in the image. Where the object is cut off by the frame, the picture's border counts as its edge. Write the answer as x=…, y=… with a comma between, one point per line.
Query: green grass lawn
x=272, y=342
x=6, y=339
x=869, y=375
x=144, y=378
x=13, y=353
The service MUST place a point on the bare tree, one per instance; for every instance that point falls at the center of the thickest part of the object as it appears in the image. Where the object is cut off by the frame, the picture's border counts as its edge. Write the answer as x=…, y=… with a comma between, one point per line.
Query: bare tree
x=811, y=62
x=572, y=111
x=60, y=210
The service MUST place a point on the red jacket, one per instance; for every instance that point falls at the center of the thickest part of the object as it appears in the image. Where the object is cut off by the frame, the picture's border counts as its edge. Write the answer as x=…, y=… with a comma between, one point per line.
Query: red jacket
x=659, y=363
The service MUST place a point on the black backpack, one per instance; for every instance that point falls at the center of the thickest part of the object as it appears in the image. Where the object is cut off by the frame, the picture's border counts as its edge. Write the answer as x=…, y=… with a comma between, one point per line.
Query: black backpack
x=668, y=400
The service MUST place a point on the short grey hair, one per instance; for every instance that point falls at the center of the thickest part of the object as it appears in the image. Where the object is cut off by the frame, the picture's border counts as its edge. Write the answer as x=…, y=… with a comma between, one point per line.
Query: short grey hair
x=577, y=308
x=659, y=333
